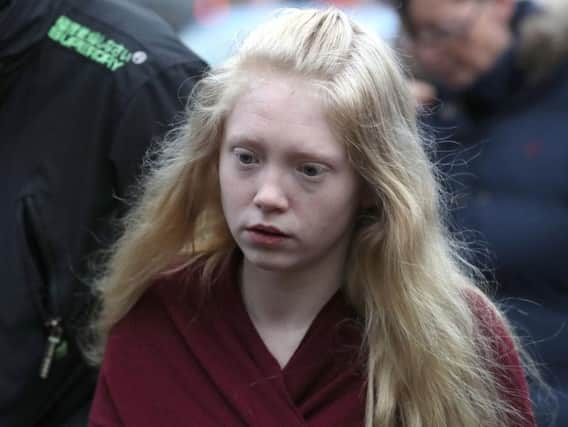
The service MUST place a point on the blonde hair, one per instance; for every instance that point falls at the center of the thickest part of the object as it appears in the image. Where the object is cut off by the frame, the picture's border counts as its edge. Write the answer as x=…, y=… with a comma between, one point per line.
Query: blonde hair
x=428, y=360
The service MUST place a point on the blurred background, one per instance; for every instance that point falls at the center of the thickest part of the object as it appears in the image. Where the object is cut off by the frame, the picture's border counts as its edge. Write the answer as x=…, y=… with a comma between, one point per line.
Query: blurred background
x=212, y=27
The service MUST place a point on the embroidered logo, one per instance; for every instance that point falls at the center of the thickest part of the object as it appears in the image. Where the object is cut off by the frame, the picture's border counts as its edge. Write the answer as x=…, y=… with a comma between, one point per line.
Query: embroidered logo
x=92, y=44
x=533, y=148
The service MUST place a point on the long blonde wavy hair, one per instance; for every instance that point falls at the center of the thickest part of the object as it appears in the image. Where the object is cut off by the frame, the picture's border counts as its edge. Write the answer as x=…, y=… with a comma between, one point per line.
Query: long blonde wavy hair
x=428, y=363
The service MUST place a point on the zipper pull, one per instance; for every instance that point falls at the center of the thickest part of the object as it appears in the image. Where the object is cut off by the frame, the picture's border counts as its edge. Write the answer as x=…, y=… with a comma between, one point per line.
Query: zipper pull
x=53, y=340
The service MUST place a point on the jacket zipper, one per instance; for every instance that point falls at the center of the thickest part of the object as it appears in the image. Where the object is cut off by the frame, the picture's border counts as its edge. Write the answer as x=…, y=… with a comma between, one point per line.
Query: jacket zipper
x=54, y=338
x=42, y=257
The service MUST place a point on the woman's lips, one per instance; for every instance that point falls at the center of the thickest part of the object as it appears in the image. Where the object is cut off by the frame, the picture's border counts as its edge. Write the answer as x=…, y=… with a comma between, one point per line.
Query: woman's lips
x=264, y=235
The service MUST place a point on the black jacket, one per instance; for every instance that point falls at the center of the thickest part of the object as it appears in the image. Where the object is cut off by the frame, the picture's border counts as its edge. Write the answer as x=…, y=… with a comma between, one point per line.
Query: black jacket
x=85, y=86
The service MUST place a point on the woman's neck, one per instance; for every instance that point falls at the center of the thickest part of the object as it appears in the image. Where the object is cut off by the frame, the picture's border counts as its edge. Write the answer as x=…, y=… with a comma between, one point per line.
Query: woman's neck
x=282, y=305
x=287, y=298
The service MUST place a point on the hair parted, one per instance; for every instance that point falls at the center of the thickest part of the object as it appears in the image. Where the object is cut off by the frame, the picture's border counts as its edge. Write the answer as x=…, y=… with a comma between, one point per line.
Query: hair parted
x=428, y=361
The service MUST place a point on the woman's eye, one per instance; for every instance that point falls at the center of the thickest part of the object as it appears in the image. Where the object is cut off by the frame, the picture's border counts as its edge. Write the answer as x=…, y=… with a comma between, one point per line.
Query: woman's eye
x=311, y=170
x=245, y=157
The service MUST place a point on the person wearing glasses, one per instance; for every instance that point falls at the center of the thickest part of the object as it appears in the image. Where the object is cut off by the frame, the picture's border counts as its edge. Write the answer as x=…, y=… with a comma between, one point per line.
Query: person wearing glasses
x=496, y=95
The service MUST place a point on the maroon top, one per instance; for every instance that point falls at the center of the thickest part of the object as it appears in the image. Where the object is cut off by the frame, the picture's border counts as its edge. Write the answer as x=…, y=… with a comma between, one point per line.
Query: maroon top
x=177, y=359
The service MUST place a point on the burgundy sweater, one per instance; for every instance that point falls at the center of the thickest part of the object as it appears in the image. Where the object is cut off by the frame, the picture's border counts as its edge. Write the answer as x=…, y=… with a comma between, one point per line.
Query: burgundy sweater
x=183, y=359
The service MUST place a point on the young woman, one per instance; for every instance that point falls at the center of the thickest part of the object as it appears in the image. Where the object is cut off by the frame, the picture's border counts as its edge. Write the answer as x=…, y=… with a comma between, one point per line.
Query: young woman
x=287, y=264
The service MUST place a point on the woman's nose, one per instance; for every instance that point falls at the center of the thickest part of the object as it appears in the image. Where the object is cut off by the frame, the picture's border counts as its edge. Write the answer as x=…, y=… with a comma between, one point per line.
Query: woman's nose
x=271, y=195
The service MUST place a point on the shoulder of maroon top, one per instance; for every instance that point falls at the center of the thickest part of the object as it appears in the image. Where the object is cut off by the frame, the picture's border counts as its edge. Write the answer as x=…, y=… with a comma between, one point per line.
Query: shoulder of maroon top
x=187, y=282
x=482, y=307
x=507, y=363
x=491, y=324
x=178, y=283
x=174, y=290
x=179, y=288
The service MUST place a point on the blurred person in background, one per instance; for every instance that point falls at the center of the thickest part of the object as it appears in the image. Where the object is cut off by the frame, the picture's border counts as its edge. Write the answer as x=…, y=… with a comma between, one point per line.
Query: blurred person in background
x=497, y=95
x=85, y=86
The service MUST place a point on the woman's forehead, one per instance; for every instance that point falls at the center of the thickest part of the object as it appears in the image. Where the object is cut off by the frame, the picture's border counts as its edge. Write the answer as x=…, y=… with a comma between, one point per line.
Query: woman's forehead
x=279, y=96
x=284, y=110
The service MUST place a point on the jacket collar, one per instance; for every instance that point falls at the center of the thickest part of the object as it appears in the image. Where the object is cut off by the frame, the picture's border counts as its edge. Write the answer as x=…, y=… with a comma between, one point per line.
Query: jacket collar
x=23, y=23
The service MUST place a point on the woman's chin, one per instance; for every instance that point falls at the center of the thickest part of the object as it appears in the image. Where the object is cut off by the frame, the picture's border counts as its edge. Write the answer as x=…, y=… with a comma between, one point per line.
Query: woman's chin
x=277, y=263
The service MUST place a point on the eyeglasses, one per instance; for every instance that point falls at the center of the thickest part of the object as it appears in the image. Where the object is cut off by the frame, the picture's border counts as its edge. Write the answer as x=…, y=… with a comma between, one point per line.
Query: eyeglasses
x=434, y=35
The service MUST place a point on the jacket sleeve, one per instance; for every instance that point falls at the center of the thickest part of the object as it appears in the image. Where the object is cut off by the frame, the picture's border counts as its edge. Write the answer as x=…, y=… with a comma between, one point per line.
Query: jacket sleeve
x=149, y=113
x=103, y=410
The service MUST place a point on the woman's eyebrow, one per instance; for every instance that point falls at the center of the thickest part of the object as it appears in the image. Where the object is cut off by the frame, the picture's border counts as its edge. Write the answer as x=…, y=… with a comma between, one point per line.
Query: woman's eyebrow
x=316, y=156
x=238, y=139
x=295, y=150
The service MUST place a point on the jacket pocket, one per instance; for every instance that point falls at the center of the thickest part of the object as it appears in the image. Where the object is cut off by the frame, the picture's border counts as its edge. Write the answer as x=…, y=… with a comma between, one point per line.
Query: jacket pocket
x=40, y=261
x=38, y=257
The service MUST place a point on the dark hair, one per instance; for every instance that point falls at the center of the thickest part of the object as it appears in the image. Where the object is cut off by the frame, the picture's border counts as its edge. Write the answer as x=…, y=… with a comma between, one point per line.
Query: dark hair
x=401, y=7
